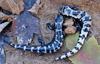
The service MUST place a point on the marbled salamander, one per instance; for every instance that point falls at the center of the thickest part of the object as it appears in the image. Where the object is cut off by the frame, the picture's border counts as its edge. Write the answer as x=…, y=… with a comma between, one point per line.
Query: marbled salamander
x=51, y=47
x=86, y=19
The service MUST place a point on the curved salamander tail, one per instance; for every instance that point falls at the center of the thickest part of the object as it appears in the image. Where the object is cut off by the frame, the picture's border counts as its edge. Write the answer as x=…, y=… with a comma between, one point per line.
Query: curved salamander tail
x=51, y=47
x=86, y=19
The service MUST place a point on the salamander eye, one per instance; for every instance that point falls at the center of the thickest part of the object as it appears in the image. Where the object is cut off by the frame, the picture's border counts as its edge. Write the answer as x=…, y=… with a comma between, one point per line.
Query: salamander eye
x=62, y=9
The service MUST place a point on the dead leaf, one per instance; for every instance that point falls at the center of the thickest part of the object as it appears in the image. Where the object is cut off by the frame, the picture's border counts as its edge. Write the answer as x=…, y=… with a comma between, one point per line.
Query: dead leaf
x=3, y=25
x=89, y=54
x=14, y=6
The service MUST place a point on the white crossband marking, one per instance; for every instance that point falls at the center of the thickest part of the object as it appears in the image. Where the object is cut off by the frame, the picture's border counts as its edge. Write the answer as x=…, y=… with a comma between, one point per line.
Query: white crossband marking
x=24, y=48
x=53, y=48
x=45, y=49
x=58, y=47
x=32, y=49
x=19, y=46
x=49, y=48
x=15, y=46
x=38, y=49
x=74, y=50
x=69, y=54
x=61, y=44
x=78, y=45
x=63, y=56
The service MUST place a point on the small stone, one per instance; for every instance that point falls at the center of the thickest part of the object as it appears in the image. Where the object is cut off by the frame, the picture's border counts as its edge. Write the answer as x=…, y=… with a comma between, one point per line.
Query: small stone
x=70, y=30
x=68, y=22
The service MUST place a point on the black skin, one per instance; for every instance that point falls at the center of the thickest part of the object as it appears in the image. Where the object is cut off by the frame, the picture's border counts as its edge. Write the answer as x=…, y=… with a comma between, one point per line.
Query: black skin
x=50, y=26
x=41, y=41
x=77, y=24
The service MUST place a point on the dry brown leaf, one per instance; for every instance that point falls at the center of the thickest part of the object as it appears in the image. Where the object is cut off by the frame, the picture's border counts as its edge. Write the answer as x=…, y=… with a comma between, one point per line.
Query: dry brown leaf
x=15, y=6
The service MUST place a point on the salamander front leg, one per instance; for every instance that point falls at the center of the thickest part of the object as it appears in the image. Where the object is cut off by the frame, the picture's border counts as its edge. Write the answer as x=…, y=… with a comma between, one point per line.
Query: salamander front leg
x=50, y=26
x=41, y=41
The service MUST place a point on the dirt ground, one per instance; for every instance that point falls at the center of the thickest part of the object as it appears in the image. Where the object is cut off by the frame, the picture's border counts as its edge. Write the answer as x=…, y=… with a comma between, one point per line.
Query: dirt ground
x=46, y=14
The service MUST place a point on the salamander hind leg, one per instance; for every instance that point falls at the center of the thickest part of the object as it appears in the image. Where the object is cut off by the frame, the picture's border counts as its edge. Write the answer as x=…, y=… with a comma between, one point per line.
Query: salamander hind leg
x=50, y=26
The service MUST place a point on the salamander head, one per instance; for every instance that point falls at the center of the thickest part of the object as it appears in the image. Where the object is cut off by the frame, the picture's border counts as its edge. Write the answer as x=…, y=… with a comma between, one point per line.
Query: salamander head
x=67, y=9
